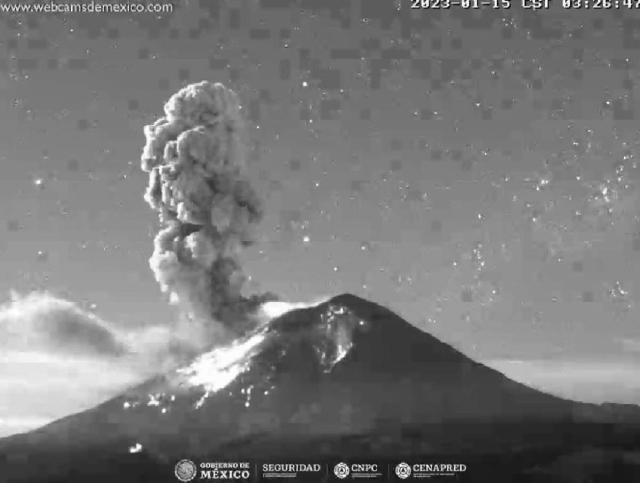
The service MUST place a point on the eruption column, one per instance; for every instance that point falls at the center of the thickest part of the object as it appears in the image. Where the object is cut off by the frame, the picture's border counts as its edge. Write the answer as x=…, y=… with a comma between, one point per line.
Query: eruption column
x=208, y=210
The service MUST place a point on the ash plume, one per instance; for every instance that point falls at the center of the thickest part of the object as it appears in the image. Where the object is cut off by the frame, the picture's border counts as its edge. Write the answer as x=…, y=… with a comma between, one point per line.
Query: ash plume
x=207, y=208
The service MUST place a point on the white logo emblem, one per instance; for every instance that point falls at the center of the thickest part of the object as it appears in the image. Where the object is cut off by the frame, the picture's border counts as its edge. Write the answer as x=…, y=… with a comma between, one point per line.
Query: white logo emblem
x=341, y=470
x=186, y=470
x=403, y=470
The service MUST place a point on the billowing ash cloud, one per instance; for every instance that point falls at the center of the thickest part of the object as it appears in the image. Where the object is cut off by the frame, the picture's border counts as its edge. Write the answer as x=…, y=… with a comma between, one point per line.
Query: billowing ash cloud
x=195, y=160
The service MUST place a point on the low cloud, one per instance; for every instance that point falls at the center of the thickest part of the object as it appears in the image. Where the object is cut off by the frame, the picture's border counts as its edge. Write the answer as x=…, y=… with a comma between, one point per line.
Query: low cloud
x=43, y=322
x=629, y=345
x=57, y=359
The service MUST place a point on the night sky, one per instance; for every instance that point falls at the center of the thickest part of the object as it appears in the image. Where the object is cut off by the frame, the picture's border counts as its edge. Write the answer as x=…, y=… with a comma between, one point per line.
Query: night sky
x=475, y=171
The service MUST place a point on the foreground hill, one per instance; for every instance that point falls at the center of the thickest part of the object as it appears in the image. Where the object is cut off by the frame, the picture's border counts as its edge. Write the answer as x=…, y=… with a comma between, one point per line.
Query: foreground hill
x=344, y=380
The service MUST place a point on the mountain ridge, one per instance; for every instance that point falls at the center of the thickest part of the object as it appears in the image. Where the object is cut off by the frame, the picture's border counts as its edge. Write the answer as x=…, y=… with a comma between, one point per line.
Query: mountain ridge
x=345, y=378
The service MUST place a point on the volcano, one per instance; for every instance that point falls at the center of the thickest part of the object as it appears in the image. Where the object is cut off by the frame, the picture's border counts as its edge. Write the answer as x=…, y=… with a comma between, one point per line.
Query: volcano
x=345, y=380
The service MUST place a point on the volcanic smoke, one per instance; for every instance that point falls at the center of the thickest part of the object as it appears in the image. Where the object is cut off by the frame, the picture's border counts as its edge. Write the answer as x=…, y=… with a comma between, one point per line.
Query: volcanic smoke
x=208, y=210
